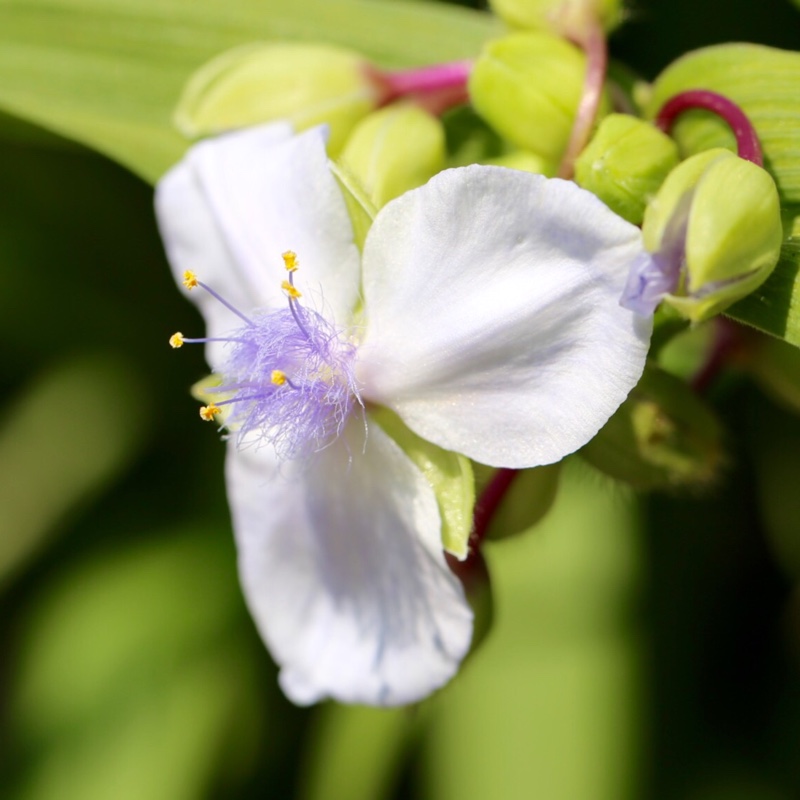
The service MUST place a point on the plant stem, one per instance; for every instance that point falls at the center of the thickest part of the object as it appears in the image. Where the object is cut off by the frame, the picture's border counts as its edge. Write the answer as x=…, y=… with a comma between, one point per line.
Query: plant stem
x=747, y=142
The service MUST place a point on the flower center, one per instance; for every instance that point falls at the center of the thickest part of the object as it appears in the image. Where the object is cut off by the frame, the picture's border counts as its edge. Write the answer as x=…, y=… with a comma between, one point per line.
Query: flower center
x=288, y=376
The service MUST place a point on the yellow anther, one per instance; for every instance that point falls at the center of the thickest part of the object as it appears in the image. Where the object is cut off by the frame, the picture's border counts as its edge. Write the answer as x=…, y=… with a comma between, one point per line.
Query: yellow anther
x=278, y=377
x=290, y=260
x=189, y=279
x=176, y=340
x=290, y=290
x=209, y=412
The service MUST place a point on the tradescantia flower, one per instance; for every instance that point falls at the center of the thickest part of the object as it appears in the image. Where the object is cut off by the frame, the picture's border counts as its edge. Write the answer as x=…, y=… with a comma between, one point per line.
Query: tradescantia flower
x=484, y=313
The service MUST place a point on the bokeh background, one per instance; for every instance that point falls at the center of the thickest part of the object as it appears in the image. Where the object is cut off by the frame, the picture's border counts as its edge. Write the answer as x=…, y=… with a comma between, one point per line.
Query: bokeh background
x=643, y=647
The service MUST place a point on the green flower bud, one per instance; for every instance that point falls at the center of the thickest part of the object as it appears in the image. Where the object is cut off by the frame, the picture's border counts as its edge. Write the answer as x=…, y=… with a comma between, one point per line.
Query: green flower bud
x=625, y=164
x=393, y=150
x=526, y=162
x=528, y=86
x=565, y=17
x=716, y=224
x=663, y=436
x=305, y=84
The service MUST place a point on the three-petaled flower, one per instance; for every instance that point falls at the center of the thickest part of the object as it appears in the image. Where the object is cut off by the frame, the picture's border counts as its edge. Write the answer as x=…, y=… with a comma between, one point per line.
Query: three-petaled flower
x=484, y=313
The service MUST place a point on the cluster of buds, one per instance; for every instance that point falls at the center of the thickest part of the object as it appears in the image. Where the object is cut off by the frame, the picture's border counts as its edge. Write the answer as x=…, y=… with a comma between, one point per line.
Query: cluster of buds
x=711, y=222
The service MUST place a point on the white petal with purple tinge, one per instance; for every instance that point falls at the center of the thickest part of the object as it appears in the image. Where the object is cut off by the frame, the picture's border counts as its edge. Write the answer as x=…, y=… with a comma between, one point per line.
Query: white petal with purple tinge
x=494, y=327
x=236, y=202
x=343, y=571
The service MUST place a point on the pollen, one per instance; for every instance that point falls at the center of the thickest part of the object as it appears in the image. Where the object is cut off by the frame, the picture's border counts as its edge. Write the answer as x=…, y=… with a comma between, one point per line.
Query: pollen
x=290, y=260
x=278, y=377
x=290, y=290
x=176, y=340
x=209, y=412
x=190, y=279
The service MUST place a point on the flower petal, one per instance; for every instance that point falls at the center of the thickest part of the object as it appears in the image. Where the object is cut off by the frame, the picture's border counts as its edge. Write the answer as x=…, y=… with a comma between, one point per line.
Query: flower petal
x=193, y=240
x=343, y=571
x=494, y=326
x=237, y=202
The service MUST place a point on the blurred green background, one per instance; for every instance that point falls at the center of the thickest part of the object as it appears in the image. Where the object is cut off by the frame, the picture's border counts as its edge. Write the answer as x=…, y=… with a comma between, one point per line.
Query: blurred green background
x=642, y=648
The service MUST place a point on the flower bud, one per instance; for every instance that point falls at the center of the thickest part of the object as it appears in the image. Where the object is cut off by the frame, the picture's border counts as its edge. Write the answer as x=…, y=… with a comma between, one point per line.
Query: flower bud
x=625, y=164
x=527, y=86
x=715, y=232
x=663, y=436
x=565, y=17
x=526, y=162
x=305, y=84
x=393, y=150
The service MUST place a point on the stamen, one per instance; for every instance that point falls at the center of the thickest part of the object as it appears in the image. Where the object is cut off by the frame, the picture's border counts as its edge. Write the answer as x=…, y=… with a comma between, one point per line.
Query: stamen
x=190, y=281
x=290, y=261
x=209, y=412
x=178, y=340
x=225, y=302
x=298, y=415
x=290, y=290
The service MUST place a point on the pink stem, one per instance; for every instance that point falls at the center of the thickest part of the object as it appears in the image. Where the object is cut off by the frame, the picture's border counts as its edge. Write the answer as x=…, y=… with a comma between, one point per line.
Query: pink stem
x=747, y=142
x=426, y=80
x=594, y=45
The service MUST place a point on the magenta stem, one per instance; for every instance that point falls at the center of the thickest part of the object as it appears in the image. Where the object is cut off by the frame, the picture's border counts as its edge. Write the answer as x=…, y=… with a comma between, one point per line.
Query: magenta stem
x=747, y=142
x=426, y=80
x=488, y=503
x=727, y=339
x=593, y=43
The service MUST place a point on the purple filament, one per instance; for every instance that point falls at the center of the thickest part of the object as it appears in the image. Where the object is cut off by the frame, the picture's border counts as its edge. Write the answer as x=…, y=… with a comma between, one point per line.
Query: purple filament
x=309, y=410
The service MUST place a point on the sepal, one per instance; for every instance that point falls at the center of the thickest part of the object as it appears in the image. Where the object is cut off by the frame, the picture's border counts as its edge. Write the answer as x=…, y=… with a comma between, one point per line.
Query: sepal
x=450, y=477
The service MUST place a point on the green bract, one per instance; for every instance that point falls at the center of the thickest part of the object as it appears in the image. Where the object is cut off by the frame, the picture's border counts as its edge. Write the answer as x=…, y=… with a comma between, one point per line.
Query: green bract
x=306, y=84
x=527, y=86
x=625, y=164
x=662, y=436
x=393, y=150
x=733, y=229
x=563, y=16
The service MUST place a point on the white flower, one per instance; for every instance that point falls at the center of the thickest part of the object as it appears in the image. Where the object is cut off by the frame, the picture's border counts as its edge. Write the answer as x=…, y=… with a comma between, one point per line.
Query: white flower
x=490, y=325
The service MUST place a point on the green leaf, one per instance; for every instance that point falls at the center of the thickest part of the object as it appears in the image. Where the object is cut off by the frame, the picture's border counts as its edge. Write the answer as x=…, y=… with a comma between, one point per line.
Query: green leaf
x=764, y=81
x=775, y=306
x=356, y=753
x=108, y=73
x=134, y=680
x=450, y=475
x=52, y=467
